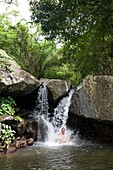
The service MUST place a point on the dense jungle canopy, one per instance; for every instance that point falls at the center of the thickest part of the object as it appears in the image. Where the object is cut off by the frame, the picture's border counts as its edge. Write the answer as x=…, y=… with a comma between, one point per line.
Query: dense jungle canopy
x=83, y=27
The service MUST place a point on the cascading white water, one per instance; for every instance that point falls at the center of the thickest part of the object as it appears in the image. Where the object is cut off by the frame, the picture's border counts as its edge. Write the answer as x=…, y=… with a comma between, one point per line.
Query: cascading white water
x=49, y=129
x=42, y=100
x=60, y=119
x=41, y=111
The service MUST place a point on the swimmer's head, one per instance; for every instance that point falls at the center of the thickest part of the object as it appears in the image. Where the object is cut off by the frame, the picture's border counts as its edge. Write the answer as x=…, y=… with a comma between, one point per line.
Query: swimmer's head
x=63, y=130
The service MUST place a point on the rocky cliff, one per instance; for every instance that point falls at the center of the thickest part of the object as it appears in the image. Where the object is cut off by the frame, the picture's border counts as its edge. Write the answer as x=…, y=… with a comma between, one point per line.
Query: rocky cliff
x=94, y=99
x=91, y=110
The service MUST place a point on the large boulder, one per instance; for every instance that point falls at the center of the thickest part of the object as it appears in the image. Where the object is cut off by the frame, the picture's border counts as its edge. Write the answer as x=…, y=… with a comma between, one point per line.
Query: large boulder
x=13, y=80
x=57, y=87
x=91, y=110
x=94, y=98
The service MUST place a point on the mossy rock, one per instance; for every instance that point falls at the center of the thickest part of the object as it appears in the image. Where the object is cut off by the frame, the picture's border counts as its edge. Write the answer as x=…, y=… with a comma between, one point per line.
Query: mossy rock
x=13, y=80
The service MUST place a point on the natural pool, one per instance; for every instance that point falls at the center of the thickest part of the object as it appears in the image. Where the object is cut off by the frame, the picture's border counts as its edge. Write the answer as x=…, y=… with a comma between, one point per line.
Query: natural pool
x=80, y=156
x=77, y=154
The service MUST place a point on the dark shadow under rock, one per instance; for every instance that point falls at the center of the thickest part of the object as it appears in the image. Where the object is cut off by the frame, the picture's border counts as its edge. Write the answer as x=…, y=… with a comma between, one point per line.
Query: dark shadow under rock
x=90, y=128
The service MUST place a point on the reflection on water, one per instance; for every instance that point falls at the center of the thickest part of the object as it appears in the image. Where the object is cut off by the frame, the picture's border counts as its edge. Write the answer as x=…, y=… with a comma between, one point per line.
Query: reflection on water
x=85, y=156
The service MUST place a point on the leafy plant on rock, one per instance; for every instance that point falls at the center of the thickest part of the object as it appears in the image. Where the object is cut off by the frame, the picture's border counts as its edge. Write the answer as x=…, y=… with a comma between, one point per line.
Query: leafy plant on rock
x=7, y=107
x=6, y=135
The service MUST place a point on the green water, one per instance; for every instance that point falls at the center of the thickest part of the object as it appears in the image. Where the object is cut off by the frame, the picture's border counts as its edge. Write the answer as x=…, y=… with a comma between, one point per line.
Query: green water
x=84, y=156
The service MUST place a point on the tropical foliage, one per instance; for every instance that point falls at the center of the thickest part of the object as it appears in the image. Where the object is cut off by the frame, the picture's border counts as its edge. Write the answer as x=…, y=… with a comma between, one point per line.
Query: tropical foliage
x=22, y=42
x=7, y=134
x=84, y=26
x=7, y=106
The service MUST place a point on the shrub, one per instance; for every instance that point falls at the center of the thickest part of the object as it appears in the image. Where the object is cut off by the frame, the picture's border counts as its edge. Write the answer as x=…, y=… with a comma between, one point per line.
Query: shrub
x=6, y=135
x=7, y=107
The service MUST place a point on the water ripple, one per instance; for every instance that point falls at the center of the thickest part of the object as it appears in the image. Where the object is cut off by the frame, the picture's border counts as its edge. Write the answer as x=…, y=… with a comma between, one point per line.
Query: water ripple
x=68, y=157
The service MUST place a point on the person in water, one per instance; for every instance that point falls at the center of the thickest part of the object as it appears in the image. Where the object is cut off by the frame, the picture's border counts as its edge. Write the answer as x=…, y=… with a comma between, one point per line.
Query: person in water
x=63, y=136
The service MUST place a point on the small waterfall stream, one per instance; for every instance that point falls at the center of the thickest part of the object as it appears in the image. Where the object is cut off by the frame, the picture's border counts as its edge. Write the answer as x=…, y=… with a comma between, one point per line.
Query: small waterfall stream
x=49, y=129
x=60, y=119
x=41, y=112
x=42, y=101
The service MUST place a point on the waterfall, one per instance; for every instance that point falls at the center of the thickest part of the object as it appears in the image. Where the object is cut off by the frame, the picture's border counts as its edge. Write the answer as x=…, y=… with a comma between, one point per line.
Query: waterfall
x=42, y=100
x=50, y=128
x=59, y=119
x=41, y=112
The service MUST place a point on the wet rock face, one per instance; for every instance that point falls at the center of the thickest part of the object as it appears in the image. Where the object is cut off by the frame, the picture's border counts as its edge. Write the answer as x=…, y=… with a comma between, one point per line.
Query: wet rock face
x=13, y=80
x=4, y=118
x=57, y=87
x=94, y=99
x=91, y=110
x=27, y=128
x=91, y=129
x=56, y=90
